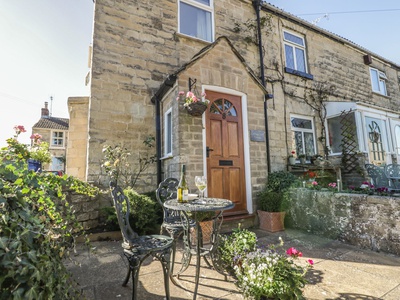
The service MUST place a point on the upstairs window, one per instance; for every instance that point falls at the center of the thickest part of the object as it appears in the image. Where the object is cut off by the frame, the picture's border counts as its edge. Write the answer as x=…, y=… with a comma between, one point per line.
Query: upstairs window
x=57, y=139
x=295, y=52
x=196, y=18
x=378, y=81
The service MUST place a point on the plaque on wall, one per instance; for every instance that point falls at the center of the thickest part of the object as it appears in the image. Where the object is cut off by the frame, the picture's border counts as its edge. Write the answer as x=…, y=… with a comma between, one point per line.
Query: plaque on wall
x=257, y=135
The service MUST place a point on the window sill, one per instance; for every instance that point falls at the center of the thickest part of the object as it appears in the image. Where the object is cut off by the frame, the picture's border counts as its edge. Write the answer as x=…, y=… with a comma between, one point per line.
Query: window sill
x=299, y=73
x=168, y=156
x=185, y=36
x=379, y=94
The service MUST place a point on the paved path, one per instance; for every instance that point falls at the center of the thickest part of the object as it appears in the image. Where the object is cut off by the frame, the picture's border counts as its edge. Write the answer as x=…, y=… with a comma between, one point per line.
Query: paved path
x=341, y=271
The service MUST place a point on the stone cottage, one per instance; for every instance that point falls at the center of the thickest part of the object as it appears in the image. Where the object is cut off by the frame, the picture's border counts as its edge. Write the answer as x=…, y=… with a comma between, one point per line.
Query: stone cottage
x=275, y=83
x=54, y=131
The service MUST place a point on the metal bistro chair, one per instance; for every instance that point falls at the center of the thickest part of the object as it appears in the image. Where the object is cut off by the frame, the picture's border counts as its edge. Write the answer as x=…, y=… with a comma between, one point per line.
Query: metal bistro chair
x=378, y=176
x=392, y=172
x=138, y=248
x=172, y=221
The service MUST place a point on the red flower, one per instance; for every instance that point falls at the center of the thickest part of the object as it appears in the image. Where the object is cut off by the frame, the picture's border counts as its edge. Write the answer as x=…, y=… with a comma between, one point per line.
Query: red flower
x=310, y=261
x=293, y=252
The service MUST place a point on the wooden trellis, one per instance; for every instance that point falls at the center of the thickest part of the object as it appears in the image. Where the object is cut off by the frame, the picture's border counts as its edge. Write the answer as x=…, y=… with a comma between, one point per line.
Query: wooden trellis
x=349, y=143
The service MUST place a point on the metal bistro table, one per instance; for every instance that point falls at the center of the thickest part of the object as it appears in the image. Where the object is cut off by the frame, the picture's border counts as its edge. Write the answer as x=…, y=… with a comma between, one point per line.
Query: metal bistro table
x=194, y=206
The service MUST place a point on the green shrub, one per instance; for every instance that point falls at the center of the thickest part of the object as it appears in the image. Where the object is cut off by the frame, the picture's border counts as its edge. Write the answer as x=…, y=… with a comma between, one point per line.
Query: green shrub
x=270, y=201
x=280, y=181
x=143, y=211
x=263, y=273
x=234, y=245
x=37, y=229
x=272, y=197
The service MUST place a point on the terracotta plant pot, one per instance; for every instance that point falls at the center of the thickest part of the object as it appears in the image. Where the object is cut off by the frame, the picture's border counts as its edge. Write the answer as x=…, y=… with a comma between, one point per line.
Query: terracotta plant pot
x=271, y=221
x=206, y=229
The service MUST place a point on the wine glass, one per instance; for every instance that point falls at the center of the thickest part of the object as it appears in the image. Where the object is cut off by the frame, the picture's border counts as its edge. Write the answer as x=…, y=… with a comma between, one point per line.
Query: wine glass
x=201, y=183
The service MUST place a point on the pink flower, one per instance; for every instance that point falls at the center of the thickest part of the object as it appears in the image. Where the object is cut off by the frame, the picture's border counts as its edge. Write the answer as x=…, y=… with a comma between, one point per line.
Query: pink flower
x=332, y=184
x=36, y=137
x=189, y=94
x=181, y=93
x=293, y=252
x=314, y=183
x=19, y=128
x=203, y=94
x=310, y=261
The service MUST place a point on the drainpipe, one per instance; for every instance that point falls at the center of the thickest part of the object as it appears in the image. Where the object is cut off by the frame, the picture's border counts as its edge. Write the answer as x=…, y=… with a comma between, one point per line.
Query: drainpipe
x=257, y=6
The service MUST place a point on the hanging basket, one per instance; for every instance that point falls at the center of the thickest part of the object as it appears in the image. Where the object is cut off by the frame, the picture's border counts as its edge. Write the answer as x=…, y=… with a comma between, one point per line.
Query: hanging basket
x=196, y=108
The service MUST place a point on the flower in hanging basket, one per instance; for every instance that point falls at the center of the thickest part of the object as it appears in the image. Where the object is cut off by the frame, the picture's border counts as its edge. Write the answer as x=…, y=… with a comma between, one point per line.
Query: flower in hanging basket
x=194, y=105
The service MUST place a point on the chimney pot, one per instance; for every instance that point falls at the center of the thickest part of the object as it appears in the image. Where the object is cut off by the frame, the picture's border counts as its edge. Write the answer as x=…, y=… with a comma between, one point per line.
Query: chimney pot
x=45, y=110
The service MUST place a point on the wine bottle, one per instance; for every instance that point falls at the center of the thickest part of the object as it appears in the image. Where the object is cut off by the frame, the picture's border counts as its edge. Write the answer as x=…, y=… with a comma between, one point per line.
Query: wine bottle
x=183, y=191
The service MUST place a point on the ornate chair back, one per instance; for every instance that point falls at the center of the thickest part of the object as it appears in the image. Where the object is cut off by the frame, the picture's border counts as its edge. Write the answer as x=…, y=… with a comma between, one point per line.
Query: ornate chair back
x=172, y=222
x=138, y=248
x=378, y=176
x=392, y=171
x=120, y=201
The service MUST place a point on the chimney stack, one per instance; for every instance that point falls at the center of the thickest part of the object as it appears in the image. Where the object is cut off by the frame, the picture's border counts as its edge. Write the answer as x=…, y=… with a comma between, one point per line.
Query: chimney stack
x=45, y=110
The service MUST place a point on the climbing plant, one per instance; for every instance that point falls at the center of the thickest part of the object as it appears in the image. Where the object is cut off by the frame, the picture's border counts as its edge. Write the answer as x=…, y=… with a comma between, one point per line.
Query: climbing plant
x=316, y=98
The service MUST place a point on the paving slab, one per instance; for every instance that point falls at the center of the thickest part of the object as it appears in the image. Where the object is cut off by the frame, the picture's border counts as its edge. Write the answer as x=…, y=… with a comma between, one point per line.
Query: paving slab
x=341, y=271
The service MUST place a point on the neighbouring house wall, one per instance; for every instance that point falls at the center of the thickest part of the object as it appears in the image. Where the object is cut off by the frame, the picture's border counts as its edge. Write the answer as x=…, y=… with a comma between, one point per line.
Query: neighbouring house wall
x=78, y=108
x=367, y=221
x=46, y=137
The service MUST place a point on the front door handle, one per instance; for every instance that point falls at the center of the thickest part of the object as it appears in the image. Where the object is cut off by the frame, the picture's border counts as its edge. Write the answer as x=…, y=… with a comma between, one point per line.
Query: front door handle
x=208, y=151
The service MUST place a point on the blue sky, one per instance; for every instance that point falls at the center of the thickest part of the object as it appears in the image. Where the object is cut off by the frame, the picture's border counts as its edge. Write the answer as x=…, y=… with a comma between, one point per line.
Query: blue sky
x=44, y=48
x=43, y=53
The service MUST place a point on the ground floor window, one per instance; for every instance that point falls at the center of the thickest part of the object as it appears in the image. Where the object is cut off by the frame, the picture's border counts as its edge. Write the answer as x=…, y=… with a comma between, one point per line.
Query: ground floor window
x=303, y=135
x=336, y=125
x=168, y=132
x=57, y=163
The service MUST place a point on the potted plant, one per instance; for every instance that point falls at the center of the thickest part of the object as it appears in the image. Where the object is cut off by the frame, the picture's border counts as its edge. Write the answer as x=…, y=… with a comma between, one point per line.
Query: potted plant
x=262, y=273
x=270, y=201
x=194, y=105
x=39, y=153
x=205, y=219
x=292, y=159
x=302, y=158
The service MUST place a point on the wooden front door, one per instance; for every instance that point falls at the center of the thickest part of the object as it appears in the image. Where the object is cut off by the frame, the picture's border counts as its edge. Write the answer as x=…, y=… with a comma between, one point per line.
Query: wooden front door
x=225, y=158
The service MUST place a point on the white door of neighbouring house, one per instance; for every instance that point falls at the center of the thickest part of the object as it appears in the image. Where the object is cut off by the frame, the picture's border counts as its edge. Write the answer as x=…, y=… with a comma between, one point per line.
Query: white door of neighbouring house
x=395, y=128
x=377, y=140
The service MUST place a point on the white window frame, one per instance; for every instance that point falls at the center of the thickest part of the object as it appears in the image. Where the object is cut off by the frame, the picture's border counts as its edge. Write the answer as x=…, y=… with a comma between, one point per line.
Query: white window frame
x=52, y=137
x=294, y=46
x=168, y=132
x=304, y=130
x=381, y=77
x=207, y=8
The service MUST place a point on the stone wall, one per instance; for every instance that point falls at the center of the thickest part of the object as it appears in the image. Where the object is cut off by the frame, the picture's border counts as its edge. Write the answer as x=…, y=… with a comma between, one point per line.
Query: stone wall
x=367, y=221
x=78, y=108
x=87, y=209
